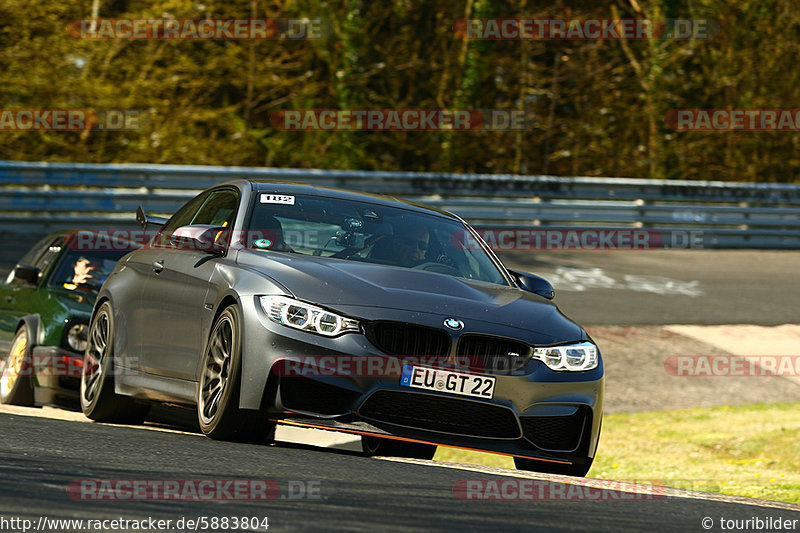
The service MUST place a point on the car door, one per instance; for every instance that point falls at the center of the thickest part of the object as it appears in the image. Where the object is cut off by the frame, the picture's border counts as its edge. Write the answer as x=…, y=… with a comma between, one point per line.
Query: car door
x=179, y=286
x=145, y=316
x=17, y=297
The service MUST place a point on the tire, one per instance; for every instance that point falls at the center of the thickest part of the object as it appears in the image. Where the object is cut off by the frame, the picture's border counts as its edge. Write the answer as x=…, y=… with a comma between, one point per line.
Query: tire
x=16, y=385
x=98, y=399
x=220, y=382
x=396, y=448
x=577, y=469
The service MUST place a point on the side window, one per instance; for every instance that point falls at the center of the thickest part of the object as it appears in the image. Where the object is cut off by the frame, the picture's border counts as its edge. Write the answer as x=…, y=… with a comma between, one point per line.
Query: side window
x=182, y=217
x=219, y=209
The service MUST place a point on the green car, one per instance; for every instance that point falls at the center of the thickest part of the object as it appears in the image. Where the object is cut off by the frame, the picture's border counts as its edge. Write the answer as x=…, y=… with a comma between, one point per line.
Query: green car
x=45, y=306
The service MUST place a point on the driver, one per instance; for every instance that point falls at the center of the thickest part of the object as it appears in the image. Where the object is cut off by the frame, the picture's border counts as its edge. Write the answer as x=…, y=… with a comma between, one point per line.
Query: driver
x=83, y=271
x=411, y=245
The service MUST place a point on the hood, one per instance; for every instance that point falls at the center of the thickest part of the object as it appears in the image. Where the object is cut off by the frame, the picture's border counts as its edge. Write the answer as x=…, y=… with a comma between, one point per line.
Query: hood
x=342, y=283
x=78, y=303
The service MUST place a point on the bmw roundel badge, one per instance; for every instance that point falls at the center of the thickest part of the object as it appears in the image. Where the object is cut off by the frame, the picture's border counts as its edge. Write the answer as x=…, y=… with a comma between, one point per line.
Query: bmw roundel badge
x=453, y=323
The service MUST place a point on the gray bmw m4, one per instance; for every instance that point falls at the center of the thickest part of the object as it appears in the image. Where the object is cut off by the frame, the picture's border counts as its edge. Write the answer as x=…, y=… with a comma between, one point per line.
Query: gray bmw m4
x=260, y=303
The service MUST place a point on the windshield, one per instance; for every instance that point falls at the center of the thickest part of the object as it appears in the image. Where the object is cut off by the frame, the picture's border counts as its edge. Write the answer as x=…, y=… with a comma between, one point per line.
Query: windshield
x=85, y=270
x=370, y=233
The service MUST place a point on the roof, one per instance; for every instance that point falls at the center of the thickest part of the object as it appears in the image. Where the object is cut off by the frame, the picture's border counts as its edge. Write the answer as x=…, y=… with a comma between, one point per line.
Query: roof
x=287, y=187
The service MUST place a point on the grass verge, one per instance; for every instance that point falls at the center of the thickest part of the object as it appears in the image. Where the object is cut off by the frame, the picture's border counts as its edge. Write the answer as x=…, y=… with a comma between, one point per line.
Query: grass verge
x=749, y=450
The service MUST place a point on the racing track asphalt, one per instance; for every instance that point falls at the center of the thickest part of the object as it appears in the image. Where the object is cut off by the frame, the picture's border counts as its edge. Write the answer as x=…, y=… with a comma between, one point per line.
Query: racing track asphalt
x=658, y=287
x=39, y=458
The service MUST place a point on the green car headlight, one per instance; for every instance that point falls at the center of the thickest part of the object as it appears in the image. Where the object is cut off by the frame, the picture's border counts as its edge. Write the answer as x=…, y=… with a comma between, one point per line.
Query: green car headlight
x=76, y=337
x=571, y=357
x=306, y=317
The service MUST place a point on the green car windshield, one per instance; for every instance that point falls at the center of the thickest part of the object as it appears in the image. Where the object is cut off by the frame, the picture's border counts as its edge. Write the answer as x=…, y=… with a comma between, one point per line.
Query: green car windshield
x=84, y=270
x=370, y=233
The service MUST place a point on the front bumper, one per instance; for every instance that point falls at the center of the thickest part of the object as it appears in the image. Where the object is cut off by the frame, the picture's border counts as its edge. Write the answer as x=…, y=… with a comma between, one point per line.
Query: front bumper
x=556, y=422
x=535, y=412
x=56, y=375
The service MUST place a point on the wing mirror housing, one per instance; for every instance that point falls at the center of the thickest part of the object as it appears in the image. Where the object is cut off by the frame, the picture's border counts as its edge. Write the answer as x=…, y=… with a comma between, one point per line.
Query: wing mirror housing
x=535, y=284
x=27, y=273
x=202, y=237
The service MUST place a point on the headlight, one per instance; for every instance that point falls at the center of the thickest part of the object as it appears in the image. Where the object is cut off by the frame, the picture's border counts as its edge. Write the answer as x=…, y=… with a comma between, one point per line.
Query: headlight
x=76, y=337
x=300, y=315
x=574, y=357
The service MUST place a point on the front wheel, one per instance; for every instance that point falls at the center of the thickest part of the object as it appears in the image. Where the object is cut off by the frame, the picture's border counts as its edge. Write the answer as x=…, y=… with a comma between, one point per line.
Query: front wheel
x=16, y=387
x=218, y=409
x=397, y=448
x=98, y=399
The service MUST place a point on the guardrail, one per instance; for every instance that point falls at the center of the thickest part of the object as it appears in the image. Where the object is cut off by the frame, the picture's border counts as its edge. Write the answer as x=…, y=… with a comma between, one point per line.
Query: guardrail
x=39, y=197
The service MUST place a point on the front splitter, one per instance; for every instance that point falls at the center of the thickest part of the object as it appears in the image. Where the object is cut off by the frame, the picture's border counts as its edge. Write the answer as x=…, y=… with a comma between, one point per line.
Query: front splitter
x=366, y=429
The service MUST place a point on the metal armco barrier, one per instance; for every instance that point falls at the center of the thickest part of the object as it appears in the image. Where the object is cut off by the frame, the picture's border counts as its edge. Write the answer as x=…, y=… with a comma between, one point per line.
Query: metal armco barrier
x=36, y=198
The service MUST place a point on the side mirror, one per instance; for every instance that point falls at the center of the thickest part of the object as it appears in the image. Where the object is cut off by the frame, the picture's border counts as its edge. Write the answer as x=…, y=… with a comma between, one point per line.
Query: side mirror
x=27, y=273
x=144, y=219
x=202, y=237
x=535, y=284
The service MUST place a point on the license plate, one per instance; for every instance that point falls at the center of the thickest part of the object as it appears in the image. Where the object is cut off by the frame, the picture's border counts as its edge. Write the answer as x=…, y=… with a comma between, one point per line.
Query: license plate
x=420, y=377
